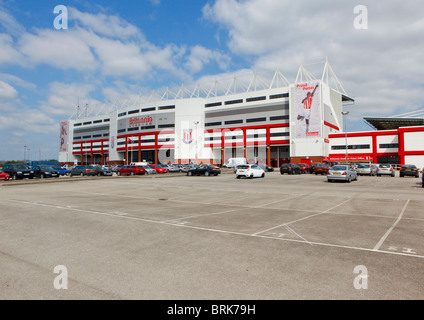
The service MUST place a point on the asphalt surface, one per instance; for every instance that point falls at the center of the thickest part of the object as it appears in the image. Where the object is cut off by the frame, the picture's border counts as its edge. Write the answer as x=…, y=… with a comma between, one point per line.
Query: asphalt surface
x=177, y=237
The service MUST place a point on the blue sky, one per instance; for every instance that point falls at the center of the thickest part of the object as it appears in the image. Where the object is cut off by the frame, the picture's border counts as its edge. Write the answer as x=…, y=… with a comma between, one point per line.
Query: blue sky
x=119, y=49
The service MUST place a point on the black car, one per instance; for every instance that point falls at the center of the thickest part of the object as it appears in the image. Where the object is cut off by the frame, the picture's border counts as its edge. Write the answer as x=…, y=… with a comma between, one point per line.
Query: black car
x=45, y=172
x=18, y=171
x=103, y=171
x=290, y=168
x=204, y=169
x=409, y=170
x=265, y=167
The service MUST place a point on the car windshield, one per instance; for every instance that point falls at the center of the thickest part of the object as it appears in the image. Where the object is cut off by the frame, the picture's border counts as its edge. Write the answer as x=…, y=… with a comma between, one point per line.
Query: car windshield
x=409, y=166
x=20, y=167
x=364, y=166
x=384, y=165
x=243, y=167
x=339, y=168
x=46, y=167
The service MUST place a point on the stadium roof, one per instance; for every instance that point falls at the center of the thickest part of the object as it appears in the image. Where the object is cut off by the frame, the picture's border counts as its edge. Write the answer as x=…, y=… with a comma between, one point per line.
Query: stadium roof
x=393, y=123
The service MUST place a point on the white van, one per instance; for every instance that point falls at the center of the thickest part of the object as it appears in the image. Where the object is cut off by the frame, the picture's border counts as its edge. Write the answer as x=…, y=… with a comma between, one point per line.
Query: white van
x=232, y=162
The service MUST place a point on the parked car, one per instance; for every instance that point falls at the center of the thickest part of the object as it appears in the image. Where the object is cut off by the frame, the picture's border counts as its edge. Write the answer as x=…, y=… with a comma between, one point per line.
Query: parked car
x=158, y=168
x=67, y=167
x=62, y=171
x=186, y=167
x=173, y=168
x=148, y=169
x=409, y=170
x=304, y=168
x=385, y=169
x=422, y=179
x=366, y=169
x=320, y=168
x=130, y=170
x=116, y=167
x=204, y=169
x=342, y=172
x=290, y=168
x=83, y=171
x=103, y=171
x=265, y=167
x=44, y=171
x=250, y=171
x=18, y=171
x=4, y=176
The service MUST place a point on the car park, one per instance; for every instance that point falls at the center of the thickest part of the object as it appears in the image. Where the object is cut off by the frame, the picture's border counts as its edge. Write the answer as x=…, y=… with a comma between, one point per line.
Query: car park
x=409, y=170
x=130, y=171
x=366, y=169
x=103, y=171
x=304, y=168
x=290, y=168
x=385, y=169
x=18, y=171
x=4, y=176
x=320, y=168
x=250, y=171
x=204, y=169
x=43, y=171
x=83, y=171
x=342, y=173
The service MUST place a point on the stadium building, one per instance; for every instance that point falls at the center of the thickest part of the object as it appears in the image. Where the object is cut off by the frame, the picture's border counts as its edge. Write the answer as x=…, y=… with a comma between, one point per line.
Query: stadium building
x=396, y=140
x=270, y=123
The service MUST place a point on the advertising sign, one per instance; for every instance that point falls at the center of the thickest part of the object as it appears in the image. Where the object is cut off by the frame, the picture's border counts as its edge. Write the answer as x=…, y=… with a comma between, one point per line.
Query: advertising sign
x=308, y=110
x=63, y=136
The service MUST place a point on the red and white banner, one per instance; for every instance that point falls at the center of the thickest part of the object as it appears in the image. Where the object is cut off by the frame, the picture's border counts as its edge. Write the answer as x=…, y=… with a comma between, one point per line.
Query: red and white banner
x=307, y=102
x=349, y=158
x=63, y=136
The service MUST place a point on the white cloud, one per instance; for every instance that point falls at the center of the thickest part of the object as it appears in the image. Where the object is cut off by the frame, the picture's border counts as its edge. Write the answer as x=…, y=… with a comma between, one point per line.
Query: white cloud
x=58, y=48
x=107, y=25
x=199, y=56
x=7, y=92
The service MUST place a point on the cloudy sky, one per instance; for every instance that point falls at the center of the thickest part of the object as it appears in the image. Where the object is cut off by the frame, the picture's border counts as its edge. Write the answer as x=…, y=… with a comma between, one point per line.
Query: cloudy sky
x=119, y=49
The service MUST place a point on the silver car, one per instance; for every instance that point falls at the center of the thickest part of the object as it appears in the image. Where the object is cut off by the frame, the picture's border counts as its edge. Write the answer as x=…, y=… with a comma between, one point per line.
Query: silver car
x=342, y=172
x=367, y=169
x=385, y=169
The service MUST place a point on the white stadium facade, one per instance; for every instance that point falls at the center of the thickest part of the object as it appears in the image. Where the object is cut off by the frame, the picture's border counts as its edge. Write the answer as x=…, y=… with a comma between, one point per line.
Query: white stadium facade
x=270, y=123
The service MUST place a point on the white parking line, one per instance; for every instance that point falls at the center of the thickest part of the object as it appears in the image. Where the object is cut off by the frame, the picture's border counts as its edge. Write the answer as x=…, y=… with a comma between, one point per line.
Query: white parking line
x=384, y=237
x=304, y=218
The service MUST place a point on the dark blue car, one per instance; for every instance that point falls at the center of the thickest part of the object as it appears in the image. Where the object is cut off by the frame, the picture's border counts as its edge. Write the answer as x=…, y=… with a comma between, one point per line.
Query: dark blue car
x=61, y=171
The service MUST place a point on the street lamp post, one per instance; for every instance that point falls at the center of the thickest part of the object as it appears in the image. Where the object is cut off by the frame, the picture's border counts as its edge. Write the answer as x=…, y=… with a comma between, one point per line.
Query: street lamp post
x=195, y=145
x=345, y=113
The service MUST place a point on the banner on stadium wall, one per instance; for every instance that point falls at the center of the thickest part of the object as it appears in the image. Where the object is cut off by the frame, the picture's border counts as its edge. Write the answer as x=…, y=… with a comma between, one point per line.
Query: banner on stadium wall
x=349, y=158
x=63, y=136
x=307, y=100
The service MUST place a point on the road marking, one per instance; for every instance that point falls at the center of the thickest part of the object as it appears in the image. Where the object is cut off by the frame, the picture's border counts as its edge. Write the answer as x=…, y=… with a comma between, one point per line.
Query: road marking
x=304, y=218
x=384, y=237
x=219, y=231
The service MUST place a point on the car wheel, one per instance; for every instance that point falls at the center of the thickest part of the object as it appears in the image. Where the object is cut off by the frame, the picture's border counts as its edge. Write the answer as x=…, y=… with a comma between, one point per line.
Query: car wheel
x=15, y=177
x=207, y=173
x=118, y=173
x=132, y=173
x=238, y=177
x=189, y=173
x=251, y=176
x=81, y=174
x=263, y=175
x=349, y=180
x=329, y=180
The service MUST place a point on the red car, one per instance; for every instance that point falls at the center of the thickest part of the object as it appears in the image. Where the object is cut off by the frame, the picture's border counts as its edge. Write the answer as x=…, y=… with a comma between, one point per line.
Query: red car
x=320, y=168
x=130, y=170
x=304, y=167
x=4, y=175
x=158, y=168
